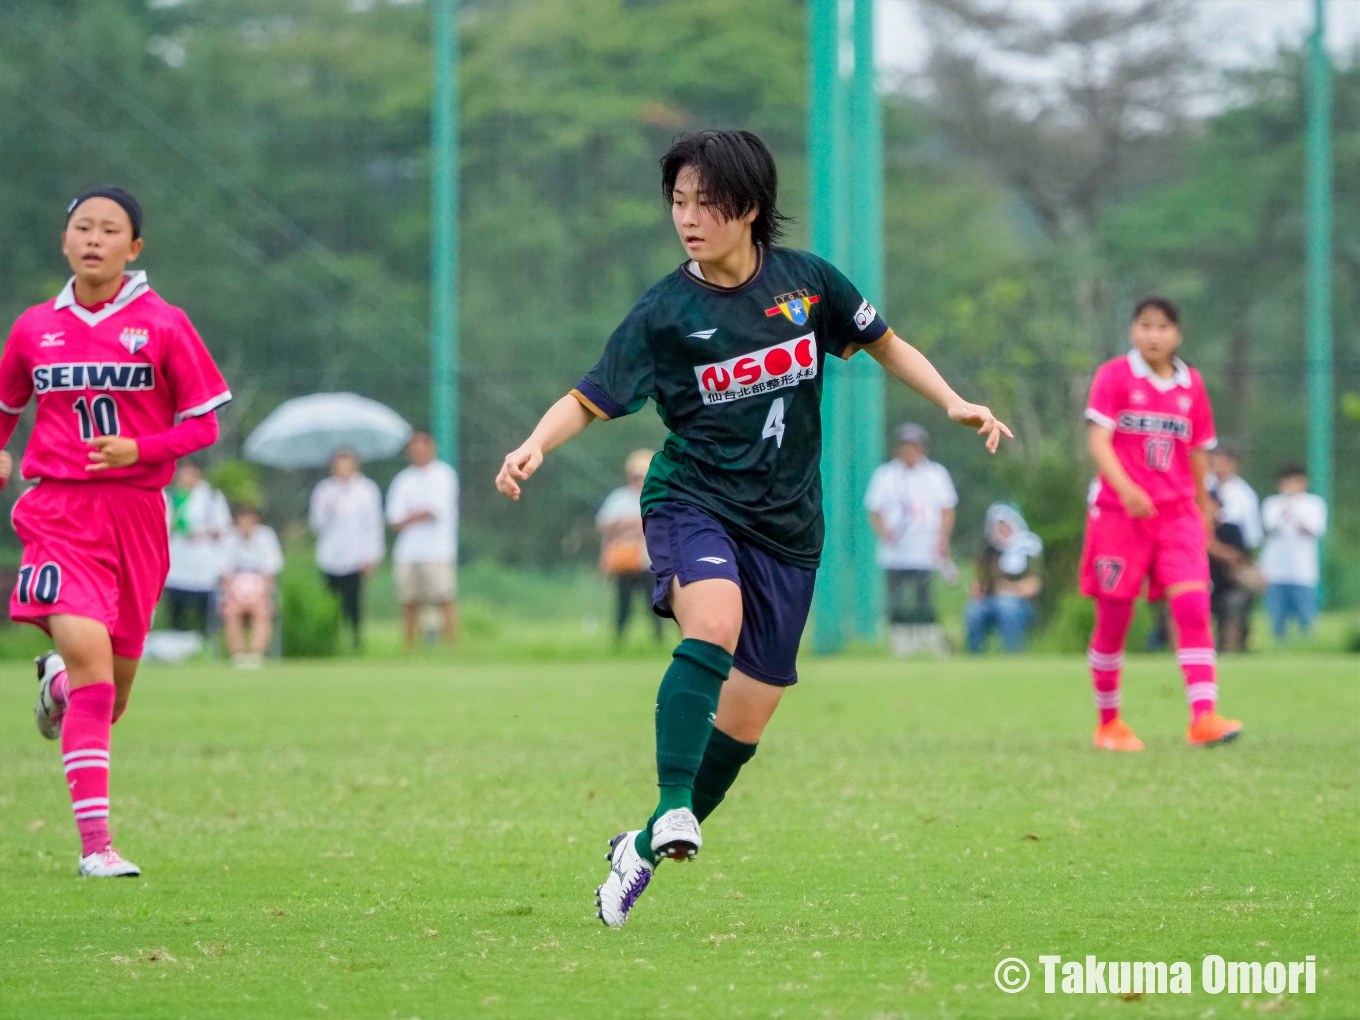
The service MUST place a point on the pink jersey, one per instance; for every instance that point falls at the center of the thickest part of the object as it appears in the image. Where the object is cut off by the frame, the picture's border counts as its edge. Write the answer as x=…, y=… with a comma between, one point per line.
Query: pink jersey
x=1156, y=423
x=135, y=367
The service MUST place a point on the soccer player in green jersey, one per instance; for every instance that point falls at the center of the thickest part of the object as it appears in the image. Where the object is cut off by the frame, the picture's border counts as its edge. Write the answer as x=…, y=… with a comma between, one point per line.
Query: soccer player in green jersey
x=730, y=346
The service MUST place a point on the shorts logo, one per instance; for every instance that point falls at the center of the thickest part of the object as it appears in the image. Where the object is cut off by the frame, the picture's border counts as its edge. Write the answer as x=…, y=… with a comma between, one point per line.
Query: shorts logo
x=864, y=315
x=795, y=306
x=1109, y=569
x=771, y=368
x=38, y=584
x=133, y=339
x=715, y=560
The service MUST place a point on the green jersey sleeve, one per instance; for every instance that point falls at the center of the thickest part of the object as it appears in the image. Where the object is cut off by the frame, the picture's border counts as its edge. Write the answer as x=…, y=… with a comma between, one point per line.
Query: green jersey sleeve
x=847, y=318
x=625, y=375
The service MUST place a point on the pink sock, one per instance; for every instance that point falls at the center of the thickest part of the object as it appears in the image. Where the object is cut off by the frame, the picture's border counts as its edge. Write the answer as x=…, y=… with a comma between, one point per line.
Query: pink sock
x=61, y=689
x=85, y=754
x=1106, y=654
x=1195, y=650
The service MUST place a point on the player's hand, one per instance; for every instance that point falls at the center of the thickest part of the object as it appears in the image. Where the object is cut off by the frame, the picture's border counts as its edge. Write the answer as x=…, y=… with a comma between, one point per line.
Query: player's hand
x=1137, y=502
x=6, y=467
x=982, y=419
x=519, y=465
x=112, y=452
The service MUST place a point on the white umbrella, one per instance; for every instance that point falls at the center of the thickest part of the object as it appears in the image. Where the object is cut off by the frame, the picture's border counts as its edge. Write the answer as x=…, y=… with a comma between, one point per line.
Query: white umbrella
x=306, y=432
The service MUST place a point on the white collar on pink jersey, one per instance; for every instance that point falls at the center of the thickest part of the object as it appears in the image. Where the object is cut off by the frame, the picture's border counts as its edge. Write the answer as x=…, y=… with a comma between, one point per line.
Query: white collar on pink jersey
x=134, y=286
x=1180, y=377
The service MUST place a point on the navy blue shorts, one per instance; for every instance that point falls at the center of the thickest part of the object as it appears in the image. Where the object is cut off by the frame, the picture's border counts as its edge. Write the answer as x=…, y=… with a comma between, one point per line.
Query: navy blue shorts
x=689, y=544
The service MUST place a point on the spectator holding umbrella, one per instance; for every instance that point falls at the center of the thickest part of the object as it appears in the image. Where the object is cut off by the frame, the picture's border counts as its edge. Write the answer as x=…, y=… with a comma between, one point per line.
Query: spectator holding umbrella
x=347, y=516
x=422, y=506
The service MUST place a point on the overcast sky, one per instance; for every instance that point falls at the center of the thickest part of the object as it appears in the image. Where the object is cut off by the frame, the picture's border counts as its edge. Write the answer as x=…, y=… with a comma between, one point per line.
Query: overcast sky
x=1237, y=31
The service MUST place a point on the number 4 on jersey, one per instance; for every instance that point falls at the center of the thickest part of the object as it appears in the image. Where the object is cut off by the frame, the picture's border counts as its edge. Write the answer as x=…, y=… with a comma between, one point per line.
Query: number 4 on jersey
x=774, y=423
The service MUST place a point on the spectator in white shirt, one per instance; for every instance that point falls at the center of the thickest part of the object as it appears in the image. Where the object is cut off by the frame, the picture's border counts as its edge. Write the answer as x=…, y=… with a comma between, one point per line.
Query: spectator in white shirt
x=347, y=516
x=623, y=547
x=911, y=501
x=1294, y=520
x=199, y=517
x=251, y=561
x=1240, y=504
x=422, y=506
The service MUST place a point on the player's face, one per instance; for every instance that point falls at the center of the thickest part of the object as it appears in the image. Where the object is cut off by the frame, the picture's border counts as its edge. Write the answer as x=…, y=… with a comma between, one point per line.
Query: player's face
x=911, y=453
x=1224, y=466
x=706, y=235
x=98, y=241
x=1155, y=336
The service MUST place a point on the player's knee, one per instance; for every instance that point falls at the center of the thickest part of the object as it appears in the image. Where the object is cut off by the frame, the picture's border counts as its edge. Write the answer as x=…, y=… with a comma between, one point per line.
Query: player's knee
x=716, y=628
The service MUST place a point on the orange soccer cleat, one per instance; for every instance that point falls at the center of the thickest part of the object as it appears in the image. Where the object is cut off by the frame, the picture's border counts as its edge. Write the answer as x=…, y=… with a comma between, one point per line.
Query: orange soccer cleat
x=1115, y=735
x=1211, y=728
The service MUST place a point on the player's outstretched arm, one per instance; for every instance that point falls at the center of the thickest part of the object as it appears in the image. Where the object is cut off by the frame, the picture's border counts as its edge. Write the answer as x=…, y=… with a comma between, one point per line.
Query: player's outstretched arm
x=565, y=420
x=903, y=361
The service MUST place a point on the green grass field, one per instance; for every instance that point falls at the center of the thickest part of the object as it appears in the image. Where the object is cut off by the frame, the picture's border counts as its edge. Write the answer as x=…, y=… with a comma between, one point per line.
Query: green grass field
x=361, y=839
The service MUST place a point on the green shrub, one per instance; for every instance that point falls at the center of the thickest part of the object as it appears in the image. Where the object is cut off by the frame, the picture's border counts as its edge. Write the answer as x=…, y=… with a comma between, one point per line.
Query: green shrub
x=239, y=482
x=311, y=614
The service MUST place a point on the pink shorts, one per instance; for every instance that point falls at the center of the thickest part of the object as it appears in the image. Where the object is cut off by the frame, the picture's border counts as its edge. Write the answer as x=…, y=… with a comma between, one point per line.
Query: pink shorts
x=1121, y=551
x=95, y=549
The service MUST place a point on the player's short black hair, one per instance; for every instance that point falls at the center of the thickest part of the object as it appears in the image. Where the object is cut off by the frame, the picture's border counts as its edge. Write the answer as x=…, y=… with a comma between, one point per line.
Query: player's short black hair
x=1291, y=470
x=1164, y=305
x=736, y=173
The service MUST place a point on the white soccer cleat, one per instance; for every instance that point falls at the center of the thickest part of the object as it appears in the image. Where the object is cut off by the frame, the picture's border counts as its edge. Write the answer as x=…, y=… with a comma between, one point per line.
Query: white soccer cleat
x=676, y=835
x=108, y=863
x=629, y=874
x=48, y=712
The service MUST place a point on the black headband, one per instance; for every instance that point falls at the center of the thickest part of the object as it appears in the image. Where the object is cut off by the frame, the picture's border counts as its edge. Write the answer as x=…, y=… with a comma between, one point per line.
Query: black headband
x=129, y=204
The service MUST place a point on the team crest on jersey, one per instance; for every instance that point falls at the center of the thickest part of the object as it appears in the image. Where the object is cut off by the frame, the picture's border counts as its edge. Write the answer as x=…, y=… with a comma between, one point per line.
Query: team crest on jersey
x=134, y=339
x=771, y=368
x=795, y=306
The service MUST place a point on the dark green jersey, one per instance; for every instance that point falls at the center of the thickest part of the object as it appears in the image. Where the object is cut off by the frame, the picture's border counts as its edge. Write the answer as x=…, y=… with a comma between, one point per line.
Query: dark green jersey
x=736, y=373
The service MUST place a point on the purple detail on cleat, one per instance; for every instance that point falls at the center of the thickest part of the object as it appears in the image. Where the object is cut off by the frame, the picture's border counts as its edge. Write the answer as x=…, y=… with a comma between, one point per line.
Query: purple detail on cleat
x=635, y=890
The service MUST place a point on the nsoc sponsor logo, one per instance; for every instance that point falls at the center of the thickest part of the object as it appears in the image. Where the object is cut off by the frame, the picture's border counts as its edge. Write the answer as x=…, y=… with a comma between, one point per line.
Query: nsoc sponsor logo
x=772, y=368
x=93, y=375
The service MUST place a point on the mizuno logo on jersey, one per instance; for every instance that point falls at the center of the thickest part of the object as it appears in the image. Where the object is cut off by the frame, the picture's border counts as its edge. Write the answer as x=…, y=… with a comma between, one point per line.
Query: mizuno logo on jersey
x=93, y=375
x=1147, y=423
x=705, y=334
x=795, y=306
x=771, y=368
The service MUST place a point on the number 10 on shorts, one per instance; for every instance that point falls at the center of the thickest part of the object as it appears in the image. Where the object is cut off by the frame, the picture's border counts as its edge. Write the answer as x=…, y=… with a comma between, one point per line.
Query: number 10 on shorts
x=38, y=584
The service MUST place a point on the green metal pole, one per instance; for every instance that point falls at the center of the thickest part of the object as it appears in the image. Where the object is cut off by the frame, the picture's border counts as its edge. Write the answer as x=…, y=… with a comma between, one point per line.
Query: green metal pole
x=1319, y=266
x=865, y=267
x=444, y=233
x=825, y=149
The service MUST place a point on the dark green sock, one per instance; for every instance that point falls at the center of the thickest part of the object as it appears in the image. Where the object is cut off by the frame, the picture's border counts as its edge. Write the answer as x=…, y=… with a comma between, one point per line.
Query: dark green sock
x=723, y=759
x=685, y=707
